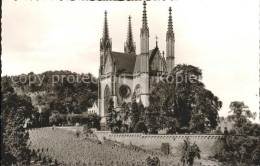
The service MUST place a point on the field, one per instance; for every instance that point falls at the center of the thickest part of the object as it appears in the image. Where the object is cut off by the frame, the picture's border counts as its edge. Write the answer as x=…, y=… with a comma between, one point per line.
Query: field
x=65, y=148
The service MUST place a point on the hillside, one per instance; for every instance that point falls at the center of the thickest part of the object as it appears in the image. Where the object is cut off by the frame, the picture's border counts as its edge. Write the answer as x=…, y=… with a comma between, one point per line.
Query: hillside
x=60, y=91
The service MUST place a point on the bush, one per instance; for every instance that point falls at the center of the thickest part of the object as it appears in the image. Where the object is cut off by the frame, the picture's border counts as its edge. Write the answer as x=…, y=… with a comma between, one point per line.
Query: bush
x=237, y=150
x=124, y=128
x=78, y=133
x=189, y=152
x=218, y=131
x=140, y=127
x=57, y=119
x=232, y=132
x=185, y=129
x=116, y=129
x=153, y=161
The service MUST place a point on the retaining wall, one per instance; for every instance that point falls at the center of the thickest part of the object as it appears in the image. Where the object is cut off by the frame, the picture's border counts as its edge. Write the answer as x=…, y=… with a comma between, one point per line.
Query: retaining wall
x=147, y=141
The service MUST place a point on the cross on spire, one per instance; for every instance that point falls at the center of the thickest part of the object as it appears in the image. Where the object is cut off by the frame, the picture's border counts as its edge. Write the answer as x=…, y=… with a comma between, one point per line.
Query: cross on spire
x=156, y=38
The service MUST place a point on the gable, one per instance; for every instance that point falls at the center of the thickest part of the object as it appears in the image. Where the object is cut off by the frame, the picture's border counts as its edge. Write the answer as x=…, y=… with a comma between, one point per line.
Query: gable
x=108, y=67
x=156, y=61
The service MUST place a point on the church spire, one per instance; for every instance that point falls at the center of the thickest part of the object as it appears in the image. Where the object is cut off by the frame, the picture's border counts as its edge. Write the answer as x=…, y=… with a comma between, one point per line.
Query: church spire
x=105, y=30
x=129, y=44
x=170, y=44
x=105, y=42
x=145, y=29
x=170, y=27
x=144, y=32
x=145, y=26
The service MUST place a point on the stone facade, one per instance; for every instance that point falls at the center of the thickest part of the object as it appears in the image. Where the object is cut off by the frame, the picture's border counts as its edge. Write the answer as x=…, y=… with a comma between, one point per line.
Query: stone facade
x=123, y=76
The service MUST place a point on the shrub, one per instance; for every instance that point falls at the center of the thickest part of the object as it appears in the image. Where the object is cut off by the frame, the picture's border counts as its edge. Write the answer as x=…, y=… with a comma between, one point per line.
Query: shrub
x=50, y=160
x=124, y=128
x=140, y=127
x=116, y=129
x=189, y=152
x=218, y=131
x=232, y=132
x=185, y=129
x=237, y=150
x=153, y=161
x=86, y=130
x=44, y=160
x=78, y=133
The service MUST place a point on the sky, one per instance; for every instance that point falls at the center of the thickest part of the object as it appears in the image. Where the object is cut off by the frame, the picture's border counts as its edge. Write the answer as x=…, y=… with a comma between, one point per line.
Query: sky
x=221, y=37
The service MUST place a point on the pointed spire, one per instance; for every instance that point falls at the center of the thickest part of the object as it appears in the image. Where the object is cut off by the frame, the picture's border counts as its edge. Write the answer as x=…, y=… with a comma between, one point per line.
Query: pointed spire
x=170, y=27
x=145, y=26
x=105, y=30
x=105, y=41
x=129, y=45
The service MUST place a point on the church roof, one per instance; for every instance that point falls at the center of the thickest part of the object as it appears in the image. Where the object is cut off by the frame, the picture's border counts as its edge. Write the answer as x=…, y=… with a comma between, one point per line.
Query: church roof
x=138, y=60
x=130, y=63
x=125, y=63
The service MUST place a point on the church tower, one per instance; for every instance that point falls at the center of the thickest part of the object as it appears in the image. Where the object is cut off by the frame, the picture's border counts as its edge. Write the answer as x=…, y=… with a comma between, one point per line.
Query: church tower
x=144, y=34
x=105, y=44
x=170, y=44
x=105, y=51
x=144, y=58
x=129, y=44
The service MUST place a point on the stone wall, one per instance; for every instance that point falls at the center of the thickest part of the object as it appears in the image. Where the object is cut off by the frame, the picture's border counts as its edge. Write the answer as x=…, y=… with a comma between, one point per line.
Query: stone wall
x=147, y=141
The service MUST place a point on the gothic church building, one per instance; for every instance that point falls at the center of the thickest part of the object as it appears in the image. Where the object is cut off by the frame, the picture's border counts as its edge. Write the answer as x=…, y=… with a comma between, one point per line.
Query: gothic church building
x=123, y=75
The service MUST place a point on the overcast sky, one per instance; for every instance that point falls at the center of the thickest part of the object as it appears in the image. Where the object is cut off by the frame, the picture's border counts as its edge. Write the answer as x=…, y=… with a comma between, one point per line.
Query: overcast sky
x=219, y=36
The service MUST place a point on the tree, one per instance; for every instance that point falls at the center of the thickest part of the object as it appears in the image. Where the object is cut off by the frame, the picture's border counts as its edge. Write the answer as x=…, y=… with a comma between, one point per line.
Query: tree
x=110, y=119
x=184, y=97
x=189, y=152
x=240, y=115
x=256, y=155
x=237, y=150
x=152, y=120
x=15, y=110
x=140, y=127
x=135, y=114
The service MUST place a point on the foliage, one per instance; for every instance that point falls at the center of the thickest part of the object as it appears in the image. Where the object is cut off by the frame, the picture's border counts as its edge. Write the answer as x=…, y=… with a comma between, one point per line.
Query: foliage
x=153, y=161
x=182, y=96
x=151, y=120
x=15, y=109
x=135, y=113
x=140, y=127
x=240, y=116
x=87, y=130
x=71, y=93
x=92, y=120
x=110, y=119
x=237, y=150
x=189, y=152
x=57, y=119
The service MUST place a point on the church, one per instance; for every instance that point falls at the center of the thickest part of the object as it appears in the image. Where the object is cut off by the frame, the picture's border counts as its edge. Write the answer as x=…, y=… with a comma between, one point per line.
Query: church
x=123, y=75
